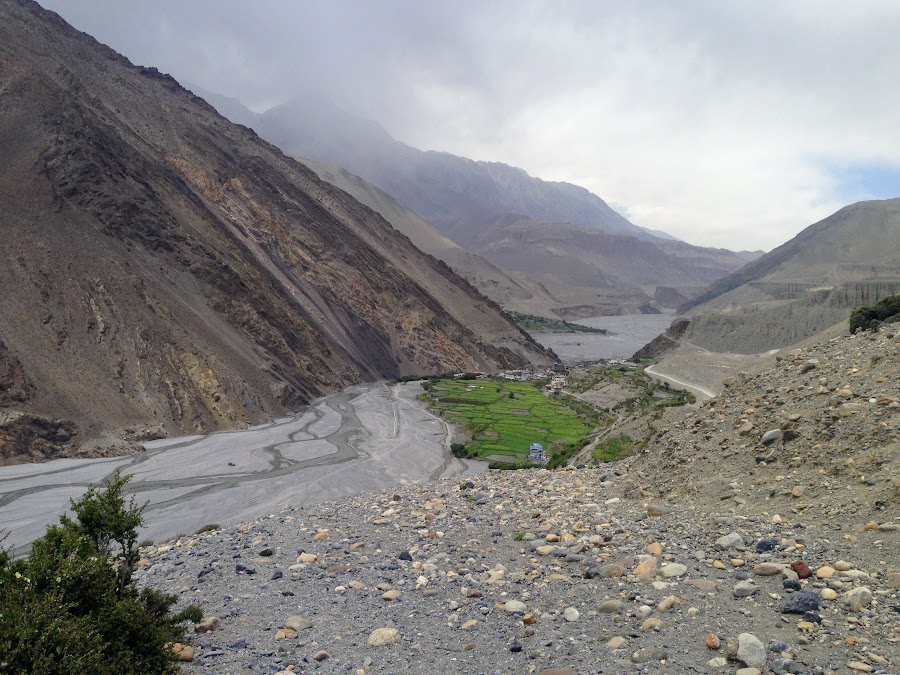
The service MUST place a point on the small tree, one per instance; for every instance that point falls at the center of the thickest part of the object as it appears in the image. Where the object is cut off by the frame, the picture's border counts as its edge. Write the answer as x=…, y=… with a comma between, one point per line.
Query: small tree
x=72, y=606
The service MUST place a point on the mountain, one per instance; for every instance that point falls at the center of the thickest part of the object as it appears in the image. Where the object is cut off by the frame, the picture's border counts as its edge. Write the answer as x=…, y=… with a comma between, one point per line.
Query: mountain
x=596, y=272
x=513, y=292
x=805, y=285
x=469, y=202
x=166, y=271
x=454, y=193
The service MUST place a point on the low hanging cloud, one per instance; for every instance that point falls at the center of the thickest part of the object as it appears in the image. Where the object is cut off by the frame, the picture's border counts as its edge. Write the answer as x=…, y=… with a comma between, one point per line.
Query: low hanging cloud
x=724, y=123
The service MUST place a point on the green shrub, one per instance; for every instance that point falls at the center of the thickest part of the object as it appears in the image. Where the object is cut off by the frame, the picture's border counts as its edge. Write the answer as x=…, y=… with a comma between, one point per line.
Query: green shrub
x=459, y=450
x=869, y=317
x=72, y=606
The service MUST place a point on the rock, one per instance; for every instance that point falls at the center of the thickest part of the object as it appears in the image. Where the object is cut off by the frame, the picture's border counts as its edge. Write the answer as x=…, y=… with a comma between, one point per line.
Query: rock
x=802, y=569
x=857, y=598
x=609, y=606
x=729, y=541
x=391, y=595
x=515, y=607
x=798, y=491
x=801, y=602
x=744, y=589
x=748, y=671
x=766, y=545
x=616, y=642
x=859, y=666
x=658, y=510
x=674, y=570
x=771, y=436
x=207, y=625
x=321, y=655
x=183, y=652
x=307, y=558
x=652, y=623
x=469, y=625
x=828, y=594
x=751, y=651
x=792, y=585
x=285, y=634
x=767, y=569
x=648, y=654
x=712, y=641
x=298, y=623
x=646, y=570
x=571, y=614
x=668, y=603
x=559, y=671
x=745, y=428
x=717, y=663
x=654, y=549
x=383, y=636
x=825, y=572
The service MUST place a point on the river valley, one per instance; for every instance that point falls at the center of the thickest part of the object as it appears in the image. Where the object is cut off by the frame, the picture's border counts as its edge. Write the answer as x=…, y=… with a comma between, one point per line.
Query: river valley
x=369, y=437
x=626, y=335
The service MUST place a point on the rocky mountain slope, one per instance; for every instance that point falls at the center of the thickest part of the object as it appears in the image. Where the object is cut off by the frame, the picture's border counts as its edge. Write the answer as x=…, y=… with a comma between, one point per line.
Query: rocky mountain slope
x=757, y=533
x=511, y=291
x=164, y=270
x=805, y=285
x=598, y=273
x=485, y=207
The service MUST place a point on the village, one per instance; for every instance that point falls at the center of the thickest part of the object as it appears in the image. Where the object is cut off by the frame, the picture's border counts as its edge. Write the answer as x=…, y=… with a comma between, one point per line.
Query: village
x=552, y=382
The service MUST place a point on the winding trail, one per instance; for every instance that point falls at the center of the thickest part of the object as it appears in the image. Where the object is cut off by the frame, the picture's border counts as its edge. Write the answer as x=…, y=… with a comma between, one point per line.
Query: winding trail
x=700, y=392
x=368, y=437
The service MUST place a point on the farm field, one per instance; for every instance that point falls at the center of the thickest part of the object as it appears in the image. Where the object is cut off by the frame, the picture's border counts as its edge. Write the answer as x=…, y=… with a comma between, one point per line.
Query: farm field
x=506, y=417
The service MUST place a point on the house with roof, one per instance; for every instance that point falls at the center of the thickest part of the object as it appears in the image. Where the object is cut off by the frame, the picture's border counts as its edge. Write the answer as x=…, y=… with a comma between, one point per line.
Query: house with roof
x=536, y=452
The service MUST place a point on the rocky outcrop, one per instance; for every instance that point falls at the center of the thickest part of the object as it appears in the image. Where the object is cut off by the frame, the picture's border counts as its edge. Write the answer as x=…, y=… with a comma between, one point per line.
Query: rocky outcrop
x=31, y=438
x=663, y=342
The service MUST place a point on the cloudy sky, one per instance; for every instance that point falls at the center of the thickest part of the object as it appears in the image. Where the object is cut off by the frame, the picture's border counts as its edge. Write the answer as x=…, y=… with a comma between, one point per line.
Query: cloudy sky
x=732, y=124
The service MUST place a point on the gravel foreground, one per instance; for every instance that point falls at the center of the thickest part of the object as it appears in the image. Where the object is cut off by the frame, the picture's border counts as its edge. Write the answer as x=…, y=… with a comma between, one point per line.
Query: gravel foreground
x=756, y=534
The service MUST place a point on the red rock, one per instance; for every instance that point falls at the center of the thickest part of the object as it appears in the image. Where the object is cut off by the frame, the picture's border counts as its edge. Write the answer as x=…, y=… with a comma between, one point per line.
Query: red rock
x=802, y=569
x=712, y=641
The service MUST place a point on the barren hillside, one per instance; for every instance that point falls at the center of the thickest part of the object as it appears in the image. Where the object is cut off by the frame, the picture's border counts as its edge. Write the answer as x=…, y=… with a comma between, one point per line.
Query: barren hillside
x=166, y=271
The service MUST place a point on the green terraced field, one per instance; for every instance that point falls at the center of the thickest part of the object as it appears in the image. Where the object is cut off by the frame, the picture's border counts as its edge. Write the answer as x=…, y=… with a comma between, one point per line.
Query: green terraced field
x=506, y=417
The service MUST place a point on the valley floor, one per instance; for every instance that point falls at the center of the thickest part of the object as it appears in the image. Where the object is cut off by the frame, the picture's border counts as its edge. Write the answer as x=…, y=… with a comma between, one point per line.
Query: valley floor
x=369, y=437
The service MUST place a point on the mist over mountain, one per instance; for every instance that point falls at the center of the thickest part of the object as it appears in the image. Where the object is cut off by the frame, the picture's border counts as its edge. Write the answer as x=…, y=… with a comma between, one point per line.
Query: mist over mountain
x=454, y=193
x=165, y=268
x=565, y=270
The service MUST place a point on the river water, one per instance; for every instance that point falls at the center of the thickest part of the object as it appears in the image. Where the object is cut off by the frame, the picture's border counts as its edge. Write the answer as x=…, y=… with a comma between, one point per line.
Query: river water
x=626, y=335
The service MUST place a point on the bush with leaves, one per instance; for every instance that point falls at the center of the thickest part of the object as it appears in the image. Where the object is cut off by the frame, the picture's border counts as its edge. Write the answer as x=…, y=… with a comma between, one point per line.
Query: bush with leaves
x=72, y=605
x=870, y=317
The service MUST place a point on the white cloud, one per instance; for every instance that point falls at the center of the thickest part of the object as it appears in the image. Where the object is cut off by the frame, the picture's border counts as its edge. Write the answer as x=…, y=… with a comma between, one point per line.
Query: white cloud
x=720, y=121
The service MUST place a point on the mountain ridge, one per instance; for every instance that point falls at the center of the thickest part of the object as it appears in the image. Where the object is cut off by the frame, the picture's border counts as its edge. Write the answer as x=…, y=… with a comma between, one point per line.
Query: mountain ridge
x=165, y=267
x=805, y=285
